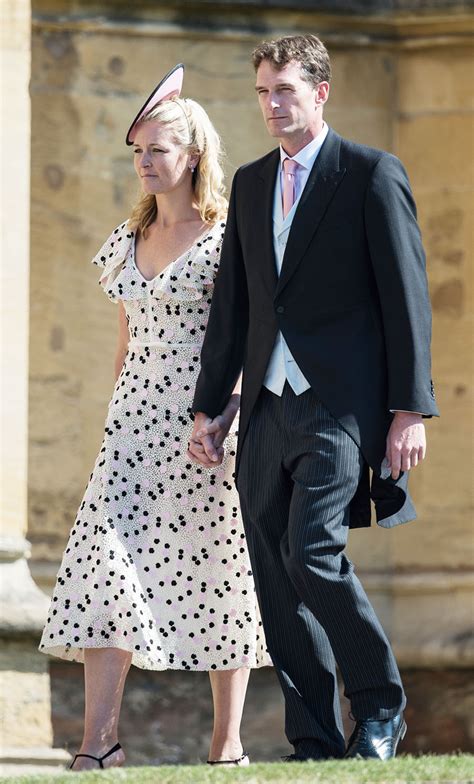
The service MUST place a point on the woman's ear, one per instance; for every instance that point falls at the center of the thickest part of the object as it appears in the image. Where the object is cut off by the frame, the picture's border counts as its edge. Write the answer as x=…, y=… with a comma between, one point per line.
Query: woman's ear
x=193, y=161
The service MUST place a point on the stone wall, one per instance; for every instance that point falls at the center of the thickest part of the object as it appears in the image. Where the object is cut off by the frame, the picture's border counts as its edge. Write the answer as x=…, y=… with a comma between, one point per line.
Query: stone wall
x=167, y=717
x=402, y=83
x=25, y=708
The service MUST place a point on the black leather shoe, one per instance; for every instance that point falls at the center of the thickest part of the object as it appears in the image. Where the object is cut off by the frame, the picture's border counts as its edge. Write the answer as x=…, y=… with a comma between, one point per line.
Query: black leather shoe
x=301, y=758
x=376, y=739
x=294, y=758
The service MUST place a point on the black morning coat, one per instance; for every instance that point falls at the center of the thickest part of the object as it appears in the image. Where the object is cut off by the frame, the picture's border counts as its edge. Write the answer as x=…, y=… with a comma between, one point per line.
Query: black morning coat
x=351, y=301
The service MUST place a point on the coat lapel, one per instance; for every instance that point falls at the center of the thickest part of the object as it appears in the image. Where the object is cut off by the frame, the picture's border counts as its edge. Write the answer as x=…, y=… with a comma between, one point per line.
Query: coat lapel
x=323, y=181
x=264, y=219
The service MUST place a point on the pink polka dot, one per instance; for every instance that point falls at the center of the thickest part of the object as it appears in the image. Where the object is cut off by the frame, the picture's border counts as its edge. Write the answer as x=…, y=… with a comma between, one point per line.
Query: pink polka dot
x=166, y=494
x=174, y=387
x=169, y=361
x=147, y=462
x=174, y=408
x=184, y=501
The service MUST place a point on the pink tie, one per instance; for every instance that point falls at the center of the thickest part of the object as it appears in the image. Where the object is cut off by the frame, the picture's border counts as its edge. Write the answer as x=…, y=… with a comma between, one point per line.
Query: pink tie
x=289, y=189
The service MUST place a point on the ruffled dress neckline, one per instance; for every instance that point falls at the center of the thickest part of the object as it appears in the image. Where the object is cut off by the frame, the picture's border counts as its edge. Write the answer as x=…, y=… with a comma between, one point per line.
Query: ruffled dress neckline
x=133, y=253
x=183, y=279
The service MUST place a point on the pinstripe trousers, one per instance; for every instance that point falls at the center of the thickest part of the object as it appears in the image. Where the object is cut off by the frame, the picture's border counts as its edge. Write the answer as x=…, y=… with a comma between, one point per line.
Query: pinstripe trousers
x=299, y=470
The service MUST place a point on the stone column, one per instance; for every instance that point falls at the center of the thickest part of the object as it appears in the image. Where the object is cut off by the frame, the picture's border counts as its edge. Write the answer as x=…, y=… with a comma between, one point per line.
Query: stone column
x=26, y=731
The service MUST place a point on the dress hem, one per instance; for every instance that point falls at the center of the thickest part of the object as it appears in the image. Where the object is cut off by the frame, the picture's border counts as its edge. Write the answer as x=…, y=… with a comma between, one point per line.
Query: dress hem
x=77, y=655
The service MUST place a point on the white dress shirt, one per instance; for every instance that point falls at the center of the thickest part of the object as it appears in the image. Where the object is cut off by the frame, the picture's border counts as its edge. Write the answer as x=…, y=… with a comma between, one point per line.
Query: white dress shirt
x=282, y=367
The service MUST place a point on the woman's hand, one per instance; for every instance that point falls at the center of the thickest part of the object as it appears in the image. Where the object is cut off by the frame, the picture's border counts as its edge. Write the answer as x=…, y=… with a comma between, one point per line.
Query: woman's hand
x=221, y=424
x=201, y=449
x=205, y=446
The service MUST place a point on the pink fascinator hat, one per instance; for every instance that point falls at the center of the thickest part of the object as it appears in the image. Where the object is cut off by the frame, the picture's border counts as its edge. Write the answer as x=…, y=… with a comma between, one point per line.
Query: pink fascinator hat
x=169, y=87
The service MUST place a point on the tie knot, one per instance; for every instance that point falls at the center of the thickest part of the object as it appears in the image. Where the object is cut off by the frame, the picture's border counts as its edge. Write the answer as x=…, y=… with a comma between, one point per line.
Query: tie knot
x=290, y=166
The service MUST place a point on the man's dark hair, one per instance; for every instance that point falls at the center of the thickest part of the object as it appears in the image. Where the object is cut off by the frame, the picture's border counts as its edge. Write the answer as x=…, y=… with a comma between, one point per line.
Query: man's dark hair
x=307, y=50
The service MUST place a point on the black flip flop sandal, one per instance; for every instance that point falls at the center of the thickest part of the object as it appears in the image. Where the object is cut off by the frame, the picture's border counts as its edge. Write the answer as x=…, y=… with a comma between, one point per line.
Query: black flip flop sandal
x=97, y=759
x=228, y=762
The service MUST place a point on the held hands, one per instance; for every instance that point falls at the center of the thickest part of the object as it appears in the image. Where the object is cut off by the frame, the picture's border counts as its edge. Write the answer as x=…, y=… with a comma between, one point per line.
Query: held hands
x=405, y=446
x=205, y=445
x=406, y=442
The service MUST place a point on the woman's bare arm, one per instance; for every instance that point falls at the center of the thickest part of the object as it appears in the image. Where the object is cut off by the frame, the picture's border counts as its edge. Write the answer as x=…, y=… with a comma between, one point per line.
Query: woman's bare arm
x=122, y=342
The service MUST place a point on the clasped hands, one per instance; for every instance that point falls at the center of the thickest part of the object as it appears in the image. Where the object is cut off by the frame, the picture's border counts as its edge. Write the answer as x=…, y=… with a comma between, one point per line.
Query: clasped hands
x=405, y=444
x=208, y=436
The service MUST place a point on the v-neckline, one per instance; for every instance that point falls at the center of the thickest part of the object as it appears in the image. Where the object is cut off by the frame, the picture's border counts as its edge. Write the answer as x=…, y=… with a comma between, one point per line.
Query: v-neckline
x=170, y=263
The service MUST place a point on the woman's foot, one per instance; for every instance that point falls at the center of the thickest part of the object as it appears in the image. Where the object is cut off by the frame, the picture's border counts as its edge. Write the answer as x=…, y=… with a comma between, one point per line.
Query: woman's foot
x=90, y=757
x=242, y=761
x=227, y=754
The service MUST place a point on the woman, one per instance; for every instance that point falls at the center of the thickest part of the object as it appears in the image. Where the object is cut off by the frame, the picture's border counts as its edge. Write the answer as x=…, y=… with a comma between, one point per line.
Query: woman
x=156, y=571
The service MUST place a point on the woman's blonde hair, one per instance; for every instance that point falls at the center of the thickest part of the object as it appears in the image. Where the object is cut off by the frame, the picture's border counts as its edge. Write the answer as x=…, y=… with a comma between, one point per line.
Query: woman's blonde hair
x=191, y=128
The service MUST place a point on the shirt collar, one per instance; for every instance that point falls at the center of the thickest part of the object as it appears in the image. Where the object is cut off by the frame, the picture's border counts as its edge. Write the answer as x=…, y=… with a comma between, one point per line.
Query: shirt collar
x=307, y=156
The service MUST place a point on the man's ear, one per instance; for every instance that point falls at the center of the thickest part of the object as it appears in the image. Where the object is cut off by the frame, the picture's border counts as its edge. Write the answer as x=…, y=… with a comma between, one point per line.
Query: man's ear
x=322, y=93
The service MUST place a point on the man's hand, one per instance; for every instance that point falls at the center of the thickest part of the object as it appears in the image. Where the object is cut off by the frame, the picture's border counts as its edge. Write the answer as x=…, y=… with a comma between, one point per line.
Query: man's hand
x=205, y=445
x=217, y=429
x=406, y=442
x=201, y=448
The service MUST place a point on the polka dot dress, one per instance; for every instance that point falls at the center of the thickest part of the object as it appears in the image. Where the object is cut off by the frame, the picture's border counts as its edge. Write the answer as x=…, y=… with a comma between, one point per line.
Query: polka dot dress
x=156, y=562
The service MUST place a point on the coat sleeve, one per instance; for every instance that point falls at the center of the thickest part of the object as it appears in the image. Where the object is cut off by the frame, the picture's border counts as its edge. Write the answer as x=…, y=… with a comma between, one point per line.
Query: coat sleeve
x=398, y=262
x=223, y=350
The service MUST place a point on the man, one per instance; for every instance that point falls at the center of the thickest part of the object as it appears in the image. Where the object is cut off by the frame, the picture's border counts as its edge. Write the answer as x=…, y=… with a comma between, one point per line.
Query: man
x=322, y=298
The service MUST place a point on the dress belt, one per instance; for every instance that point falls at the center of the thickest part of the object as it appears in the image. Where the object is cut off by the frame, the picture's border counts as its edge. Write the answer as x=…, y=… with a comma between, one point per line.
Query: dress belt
x=161, y=344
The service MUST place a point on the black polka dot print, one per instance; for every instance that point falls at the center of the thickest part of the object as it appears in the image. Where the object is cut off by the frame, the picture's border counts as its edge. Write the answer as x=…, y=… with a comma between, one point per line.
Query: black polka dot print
x=156, y=562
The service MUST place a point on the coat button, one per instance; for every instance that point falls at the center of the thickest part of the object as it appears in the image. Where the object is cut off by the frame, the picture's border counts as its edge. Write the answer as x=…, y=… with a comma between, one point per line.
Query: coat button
x=280, y=309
